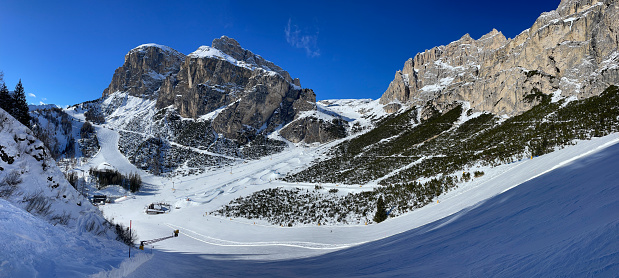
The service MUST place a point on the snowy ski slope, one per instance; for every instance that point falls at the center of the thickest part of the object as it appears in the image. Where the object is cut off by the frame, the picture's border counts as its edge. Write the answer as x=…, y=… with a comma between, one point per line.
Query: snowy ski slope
x=555, y=214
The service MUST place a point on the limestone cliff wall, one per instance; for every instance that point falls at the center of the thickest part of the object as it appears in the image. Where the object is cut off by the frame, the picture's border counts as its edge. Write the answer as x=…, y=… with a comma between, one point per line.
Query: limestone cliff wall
x=573, y=50
x=249, y=94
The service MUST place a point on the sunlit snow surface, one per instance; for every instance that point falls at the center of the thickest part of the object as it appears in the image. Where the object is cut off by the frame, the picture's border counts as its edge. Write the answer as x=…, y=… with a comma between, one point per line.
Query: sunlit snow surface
x=561, y=223
x=554, y=215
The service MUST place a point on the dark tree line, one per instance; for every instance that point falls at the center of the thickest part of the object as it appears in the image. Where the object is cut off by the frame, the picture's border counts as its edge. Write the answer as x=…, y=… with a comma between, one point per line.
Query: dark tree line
x=132, y=181
x=15, y=103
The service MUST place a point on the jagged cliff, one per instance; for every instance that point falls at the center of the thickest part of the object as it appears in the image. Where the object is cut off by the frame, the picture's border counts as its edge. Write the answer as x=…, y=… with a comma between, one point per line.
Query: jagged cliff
x=247, y=93
x=144, y=70
x=571, y=51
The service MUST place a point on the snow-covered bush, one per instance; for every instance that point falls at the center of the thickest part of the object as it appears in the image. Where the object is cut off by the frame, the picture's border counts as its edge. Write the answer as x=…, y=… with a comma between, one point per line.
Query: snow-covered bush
x=12, y=179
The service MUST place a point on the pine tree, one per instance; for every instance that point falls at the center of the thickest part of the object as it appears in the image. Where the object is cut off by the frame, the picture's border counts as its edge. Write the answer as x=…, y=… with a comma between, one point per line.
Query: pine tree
x=381, y=211
x=20, y=106
x=5, y=97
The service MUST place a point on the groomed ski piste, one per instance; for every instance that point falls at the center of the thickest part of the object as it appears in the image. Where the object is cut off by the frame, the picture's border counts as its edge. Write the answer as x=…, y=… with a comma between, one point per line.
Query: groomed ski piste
x=551, y=215
x=554, y=215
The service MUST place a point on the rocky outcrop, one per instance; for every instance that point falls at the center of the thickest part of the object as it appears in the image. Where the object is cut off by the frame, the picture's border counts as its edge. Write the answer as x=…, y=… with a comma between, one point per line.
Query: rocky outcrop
x=312, y=129
x=144, y=70
x=572, y=51
x=246, y=93
x=233, y=48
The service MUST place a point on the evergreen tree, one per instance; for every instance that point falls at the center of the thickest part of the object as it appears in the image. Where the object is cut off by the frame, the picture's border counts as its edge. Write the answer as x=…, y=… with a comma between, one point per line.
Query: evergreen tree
x=5, y=97
x=381, y=211
x=20, y=106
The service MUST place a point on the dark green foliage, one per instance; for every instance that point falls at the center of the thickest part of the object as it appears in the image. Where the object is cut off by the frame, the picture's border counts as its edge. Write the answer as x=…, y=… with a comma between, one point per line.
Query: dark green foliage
x=57, y=123
x=132, y=182
x=95, y=116
x=466, y=176
x=86, y=129
x=124, y=235
x=537, y=95
x=5, y=97
x=298, y=206
x=89, y=144
x=287, y=207
x=19, y=106
x=135, y=182
x=533, y=73
x=369, y=157
x=72, y=178
x=381, y=211
x=437, y=149
x=436, y=146
x=539, y=73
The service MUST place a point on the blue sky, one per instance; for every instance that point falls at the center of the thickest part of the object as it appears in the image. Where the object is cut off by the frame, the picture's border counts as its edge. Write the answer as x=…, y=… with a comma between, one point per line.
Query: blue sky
x=66, y=52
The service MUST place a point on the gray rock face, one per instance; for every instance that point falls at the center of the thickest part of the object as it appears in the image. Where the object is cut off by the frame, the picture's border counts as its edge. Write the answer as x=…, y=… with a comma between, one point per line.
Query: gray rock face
x=249, y=94
x=310, y=130
x=233, y=48
x=144, y=70
x=572, y=51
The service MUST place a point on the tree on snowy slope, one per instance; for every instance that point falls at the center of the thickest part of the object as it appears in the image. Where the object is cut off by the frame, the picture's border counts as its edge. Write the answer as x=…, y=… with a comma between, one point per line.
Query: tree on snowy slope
x=5, y=97
x=381, y=211
x=19, y=105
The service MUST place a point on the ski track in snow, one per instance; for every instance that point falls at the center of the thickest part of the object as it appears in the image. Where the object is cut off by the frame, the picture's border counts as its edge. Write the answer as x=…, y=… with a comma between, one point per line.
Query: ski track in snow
x=227, y=243
x=257, y=240
x=554, y=215
x=553, y=225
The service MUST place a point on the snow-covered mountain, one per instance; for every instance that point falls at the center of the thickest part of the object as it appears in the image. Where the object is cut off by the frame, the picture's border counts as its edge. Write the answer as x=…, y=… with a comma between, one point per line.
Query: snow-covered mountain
x=570, y=52
x=551, y=216
x=219, y=105
x=247, y=94
x=44, y=219
x=430, y=180
x=547, y=216
x=463, y=106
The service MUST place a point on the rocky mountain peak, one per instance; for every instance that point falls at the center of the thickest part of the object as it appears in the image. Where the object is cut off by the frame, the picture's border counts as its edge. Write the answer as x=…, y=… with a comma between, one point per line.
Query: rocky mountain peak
x=466, y=38
x=572, y=51
x=144, y=70
x=568, y=7
x=232, y=47
x=145, y=47
x=247, y=93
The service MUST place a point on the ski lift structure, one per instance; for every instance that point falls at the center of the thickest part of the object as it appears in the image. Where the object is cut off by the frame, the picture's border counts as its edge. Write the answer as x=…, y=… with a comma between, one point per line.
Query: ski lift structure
x=157, y=208
x=151, y=241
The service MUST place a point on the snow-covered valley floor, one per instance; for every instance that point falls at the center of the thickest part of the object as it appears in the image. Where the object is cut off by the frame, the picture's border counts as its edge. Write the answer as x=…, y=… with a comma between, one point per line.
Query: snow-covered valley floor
x=554, y=215
x=551, y=215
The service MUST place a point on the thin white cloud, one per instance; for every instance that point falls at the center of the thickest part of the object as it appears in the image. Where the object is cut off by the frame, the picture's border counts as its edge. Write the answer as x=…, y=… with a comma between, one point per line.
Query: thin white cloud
x=32, y=95
x=44, y=99
x=303, y=40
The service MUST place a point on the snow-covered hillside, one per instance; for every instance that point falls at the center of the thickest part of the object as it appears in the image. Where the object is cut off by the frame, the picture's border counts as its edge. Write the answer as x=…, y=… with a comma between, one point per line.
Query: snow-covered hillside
x=32, y=247
x=562, y=223
x=547, y=216
x=45, y=224
x=554, y=215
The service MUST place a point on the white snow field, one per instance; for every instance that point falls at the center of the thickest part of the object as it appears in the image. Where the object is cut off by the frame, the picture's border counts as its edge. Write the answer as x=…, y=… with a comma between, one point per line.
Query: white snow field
x=554, y=215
